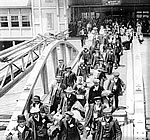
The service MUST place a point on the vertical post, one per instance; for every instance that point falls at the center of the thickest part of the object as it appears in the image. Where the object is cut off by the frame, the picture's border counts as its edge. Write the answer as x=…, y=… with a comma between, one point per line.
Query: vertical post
x=57, y=13
x=68, y=54
x=63, y=52
x=23, y=64
x=44, y=77
x=11, y=72
x=13, y=42
x=54, y=58
x=33, y=23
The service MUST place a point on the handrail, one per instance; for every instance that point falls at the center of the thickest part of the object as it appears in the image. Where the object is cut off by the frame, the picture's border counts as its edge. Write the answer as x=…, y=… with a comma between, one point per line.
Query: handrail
x=25, y=97
x=139, y=115
x=26, y=61
x=15, y=48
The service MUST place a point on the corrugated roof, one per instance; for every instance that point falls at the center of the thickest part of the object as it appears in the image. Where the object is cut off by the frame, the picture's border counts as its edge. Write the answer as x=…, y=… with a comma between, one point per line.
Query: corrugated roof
x=15, y=3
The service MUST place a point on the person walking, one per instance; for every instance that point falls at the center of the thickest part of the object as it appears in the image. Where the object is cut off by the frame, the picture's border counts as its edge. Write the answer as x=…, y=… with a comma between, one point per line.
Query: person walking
x=21, y=131
x=116, y=86
x=70, y=128
x=108, y=127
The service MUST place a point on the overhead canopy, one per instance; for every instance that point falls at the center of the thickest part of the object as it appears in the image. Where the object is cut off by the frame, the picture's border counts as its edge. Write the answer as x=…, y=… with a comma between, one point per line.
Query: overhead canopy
x=15, y=3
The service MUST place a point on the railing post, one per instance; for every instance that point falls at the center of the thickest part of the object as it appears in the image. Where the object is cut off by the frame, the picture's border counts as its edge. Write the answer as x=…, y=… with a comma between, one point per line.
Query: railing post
x=63, y=52
x=11, y=72
x=68, y=54
x=54, y=58
x=44, y=77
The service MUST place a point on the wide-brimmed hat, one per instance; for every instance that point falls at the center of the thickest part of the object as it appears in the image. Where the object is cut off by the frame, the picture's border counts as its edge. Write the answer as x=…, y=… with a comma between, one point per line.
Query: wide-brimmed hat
x=96, y=81
x=97, y=98
x=34, y=110
x=36, y=98
x=69, y=90
x=69, y=113
x=116, y=74
x=107, y=110
x=58, y=77
x=106, y=93
x=101, y=70
x=95, y=28
x=21, y=118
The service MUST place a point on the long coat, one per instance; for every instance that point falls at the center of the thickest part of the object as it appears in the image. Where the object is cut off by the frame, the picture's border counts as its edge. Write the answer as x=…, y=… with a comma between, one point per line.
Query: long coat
x=39, y=127
x=25, y=135
x=70, y=131
x=70, y=79
x=119, y=85
x=113, y=130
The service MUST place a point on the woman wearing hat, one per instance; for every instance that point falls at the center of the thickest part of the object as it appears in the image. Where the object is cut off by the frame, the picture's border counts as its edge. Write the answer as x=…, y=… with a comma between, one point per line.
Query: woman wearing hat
x=70, y=128
x=21, y=131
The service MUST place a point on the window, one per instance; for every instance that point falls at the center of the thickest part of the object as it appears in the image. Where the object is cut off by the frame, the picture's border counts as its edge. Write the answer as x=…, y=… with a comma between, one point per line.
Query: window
x=25, y=21
x=14, y=21
x=50, y=20
x=48, y=1
x=3, y=21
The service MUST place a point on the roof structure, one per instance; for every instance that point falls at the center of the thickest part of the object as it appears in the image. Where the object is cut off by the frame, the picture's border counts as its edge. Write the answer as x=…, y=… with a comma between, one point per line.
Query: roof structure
x=14, y=3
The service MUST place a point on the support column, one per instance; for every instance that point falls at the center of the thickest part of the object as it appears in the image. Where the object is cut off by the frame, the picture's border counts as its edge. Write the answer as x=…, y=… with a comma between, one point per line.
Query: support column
x=68, y=54
x=44, y=77
x=54, y=59
x=63, y=52
x=13, y=42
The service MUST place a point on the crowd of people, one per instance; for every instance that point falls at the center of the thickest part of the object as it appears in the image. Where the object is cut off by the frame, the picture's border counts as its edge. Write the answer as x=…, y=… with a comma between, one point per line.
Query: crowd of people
x=80, y=103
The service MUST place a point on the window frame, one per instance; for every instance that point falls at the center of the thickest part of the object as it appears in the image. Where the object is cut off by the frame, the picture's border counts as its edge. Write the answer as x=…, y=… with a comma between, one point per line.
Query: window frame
x=14, y=21
x=4, y=21
x=48, y=1
x=29, y=20
x=50, y=27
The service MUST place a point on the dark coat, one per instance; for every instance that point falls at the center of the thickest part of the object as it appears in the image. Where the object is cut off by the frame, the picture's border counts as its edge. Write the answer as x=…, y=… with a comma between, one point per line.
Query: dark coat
x=70, y=131
x=60, y=70
x=25, y=135
x=39, y=127
x=70, y=101
x=113, y=130
x=119, y=85
x=70, y=79
x=93, y=94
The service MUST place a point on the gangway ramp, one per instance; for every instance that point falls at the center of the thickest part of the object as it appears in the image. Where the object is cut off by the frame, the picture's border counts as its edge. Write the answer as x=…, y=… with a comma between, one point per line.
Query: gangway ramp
x=9, y=102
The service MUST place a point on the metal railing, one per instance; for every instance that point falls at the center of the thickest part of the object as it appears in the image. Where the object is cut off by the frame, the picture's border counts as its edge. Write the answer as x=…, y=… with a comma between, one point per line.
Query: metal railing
x=19, y=60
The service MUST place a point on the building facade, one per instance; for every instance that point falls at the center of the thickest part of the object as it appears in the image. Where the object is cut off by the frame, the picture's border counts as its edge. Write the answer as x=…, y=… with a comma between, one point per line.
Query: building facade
x=22, y=20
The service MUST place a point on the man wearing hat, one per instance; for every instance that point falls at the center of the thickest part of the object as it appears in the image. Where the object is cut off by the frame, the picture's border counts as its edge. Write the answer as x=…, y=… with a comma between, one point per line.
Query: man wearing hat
x=102, y=76
x=69, y=77
x=36, y=102
x=107, y=127
x=83, y=35
x=21, y=131
x=82, y=71
x=70, y=128
x=94, y=91
x=97, y=113
x=60, y=68
x=56, y=93
x=38, y=122
x=110, y=59
x=71, y=98
x=116, y=86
